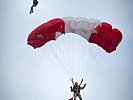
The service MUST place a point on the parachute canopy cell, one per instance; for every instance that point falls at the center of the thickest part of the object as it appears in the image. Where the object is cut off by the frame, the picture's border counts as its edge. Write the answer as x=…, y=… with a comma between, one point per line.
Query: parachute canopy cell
x=94, y=31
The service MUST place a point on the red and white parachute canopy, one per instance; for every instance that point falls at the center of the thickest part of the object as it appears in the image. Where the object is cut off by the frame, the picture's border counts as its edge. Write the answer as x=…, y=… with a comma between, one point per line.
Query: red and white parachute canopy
x=94, y=31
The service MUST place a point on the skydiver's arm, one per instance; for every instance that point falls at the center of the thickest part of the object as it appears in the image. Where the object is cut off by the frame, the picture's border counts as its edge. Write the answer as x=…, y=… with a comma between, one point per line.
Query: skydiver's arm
x=83, y=86
x=81, y=81
x=71, y=88
x=72, y=81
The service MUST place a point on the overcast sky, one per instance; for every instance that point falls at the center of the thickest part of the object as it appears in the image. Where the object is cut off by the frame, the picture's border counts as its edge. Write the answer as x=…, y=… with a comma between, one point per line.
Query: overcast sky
x=28, y=74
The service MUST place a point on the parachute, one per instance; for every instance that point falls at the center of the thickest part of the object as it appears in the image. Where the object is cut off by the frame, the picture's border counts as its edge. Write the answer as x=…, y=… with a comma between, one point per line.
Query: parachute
x=94, y=31
x=78, y=45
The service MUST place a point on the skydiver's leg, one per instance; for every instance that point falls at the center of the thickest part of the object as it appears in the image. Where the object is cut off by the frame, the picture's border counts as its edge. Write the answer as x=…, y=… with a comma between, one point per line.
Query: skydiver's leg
x=31, y=9
x=79, y=96
x=74, y=95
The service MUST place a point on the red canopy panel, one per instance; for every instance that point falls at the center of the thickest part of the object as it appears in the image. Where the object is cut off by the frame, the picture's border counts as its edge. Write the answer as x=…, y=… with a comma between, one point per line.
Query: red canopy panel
x=46, y=32
x=107, y=38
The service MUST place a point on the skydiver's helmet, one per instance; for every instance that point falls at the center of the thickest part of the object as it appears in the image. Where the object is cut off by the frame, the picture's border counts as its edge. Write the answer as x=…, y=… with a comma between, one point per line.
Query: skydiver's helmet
x=76, y=83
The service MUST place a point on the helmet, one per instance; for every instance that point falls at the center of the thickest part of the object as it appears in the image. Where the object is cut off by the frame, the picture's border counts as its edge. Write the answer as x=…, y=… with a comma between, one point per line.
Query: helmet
x=76, y=83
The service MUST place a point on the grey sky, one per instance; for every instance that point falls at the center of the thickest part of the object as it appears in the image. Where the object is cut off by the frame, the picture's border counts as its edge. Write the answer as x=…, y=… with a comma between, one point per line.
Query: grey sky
x=26, y=74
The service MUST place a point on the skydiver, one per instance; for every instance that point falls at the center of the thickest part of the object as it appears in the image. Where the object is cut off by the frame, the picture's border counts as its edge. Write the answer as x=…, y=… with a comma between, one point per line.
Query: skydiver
x=76, y=89
x=35, y=3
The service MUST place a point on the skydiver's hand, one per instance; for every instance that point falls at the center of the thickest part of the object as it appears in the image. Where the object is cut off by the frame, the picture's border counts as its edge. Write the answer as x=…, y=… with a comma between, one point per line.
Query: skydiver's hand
x=81, y=81
x=71, y=79
x=71, y=88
